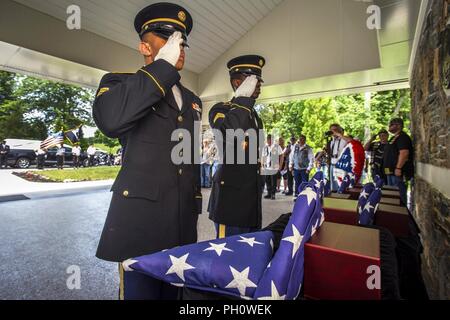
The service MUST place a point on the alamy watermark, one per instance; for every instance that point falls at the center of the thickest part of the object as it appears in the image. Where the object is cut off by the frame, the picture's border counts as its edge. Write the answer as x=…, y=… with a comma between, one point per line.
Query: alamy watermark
x=73, y=21
x=73, y=282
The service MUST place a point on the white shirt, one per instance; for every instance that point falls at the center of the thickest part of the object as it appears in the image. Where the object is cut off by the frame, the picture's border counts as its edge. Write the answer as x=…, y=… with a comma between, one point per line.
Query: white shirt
x=76, y=151
x=337, y=146
x=178, y=96
x=91, y=151
x=271, y=157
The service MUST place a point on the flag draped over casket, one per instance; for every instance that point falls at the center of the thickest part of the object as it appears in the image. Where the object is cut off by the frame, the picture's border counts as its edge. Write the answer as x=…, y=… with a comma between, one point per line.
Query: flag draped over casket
x=351, y=162
x=243, y=266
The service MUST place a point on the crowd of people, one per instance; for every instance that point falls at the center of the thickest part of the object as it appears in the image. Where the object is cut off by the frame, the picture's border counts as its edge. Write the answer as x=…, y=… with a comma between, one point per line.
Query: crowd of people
x=287, y=166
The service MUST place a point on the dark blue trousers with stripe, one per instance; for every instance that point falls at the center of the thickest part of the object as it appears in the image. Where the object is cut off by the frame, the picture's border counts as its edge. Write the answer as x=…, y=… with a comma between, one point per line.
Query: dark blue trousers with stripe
x=224, y=231
x=137, y=286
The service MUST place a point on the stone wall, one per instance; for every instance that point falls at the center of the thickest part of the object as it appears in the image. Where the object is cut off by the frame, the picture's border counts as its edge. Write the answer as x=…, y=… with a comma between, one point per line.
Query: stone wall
x=430, y=126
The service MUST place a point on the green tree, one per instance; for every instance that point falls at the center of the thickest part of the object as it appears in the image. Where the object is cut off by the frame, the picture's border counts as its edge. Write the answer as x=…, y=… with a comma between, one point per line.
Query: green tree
x=58, y=105
x=318, y=115
x=14, y=125
x=352, y=115
x=102, y=140
x=7, y=86
x=390, y=104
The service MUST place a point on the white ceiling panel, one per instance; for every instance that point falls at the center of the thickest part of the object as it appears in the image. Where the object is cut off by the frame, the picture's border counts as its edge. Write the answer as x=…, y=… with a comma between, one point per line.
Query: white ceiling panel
x=218, y=24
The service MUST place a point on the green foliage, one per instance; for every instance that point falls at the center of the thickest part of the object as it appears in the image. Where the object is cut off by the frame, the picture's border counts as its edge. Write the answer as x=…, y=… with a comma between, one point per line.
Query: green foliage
x=318, y=115
x=14, y=125
x=103, y=142
x=31, y=108
x=313, y=117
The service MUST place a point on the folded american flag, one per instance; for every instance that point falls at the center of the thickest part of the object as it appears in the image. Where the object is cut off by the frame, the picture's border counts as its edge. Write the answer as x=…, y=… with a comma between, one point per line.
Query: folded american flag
x=243, y=266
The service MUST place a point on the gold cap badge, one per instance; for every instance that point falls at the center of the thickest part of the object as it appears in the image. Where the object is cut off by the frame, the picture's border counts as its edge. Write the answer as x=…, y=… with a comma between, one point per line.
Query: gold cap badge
x=182, y=16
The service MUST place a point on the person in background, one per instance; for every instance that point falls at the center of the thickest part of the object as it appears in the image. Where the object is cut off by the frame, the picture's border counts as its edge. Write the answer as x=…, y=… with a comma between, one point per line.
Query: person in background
x=376, y=151
x=337, y=145
x=4, y=151
x=283, y=170
x=301, y=163
x=76, y=154
x=321, y=161
x=60, y=154
x=271, y=164
x=287, y=155
x=40, y=157
x=206, y=164
x=91, y=151
x=398, y=160
x=215, y=159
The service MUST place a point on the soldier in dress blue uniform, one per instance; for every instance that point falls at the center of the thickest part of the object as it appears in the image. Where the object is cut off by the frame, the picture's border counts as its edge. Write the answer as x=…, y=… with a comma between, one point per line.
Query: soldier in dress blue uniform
x=235, y=203
x=156, y=203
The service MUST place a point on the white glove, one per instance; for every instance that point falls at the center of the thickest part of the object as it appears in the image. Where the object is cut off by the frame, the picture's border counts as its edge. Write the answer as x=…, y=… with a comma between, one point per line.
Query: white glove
x=171, y=50
x=247, y=88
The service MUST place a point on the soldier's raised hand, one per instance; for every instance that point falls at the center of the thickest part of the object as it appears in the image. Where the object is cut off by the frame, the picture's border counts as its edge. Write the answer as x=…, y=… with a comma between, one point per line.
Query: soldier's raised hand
x=247, y=88
x=171, y=51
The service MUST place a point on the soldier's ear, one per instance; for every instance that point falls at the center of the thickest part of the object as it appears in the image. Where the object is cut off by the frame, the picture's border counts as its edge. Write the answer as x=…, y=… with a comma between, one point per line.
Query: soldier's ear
x=145, y=49
x=235, y=83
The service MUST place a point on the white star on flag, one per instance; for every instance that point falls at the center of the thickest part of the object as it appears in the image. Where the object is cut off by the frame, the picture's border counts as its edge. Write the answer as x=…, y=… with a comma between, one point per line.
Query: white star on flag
x=317, y=185
x=179, y=266
x=310, y=195
x=275, y=294
x=368, y=206
x=296, y=239
x=250, y=241
x=126, y=265
x=364, y=194
x=314, y=227
x=218, y=248
x=240, y=281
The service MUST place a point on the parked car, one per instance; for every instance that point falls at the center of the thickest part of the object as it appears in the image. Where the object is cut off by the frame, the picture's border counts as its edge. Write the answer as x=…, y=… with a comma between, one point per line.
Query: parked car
x=22, y=153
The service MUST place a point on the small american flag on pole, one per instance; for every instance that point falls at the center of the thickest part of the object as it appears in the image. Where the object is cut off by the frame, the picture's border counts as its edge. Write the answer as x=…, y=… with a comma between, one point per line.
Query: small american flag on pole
x=53, y=140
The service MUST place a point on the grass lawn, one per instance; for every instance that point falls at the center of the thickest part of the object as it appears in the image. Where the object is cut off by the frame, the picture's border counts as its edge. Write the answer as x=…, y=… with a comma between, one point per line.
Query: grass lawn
x=106, y=148
x=84, y=174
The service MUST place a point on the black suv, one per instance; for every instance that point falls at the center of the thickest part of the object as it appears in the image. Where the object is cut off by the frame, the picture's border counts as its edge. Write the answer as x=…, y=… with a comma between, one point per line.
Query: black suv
x=21, y=158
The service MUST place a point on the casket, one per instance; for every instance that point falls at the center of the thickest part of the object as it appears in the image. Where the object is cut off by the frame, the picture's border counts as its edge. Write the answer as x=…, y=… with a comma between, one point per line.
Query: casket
x=341, y=262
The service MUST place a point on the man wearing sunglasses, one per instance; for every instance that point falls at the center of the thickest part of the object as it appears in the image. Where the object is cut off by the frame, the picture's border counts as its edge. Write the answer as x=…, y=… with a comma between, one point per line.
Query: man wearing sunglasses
x=156, y=201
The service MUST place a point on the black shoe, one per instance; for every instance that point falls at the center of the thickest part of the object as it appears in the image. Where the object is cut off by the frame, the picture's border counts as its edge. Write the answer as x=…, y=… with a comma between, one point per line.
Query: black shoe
x=273, y=197
x=289, y=194
x=268, y=196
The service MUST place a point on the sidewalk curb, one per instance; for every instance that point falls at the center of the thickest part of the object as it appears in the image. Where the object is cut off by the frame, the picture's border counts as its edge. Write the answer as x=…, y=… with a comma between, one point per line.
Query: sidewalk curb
x=53, y=193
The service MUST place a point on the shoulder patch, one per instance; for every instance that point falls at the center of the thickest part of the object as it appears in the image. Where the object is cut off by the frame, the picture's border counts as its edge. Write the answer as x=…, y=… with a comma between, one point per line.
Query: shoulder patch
x=102, y=91
x=218, y=116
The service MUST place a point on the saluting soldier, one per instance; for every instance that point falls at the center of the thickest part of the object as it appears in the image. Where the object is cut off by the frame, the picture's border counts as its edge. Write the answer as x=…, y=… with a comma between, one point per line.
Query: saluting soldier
x=155, y=202
x=235, y=203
